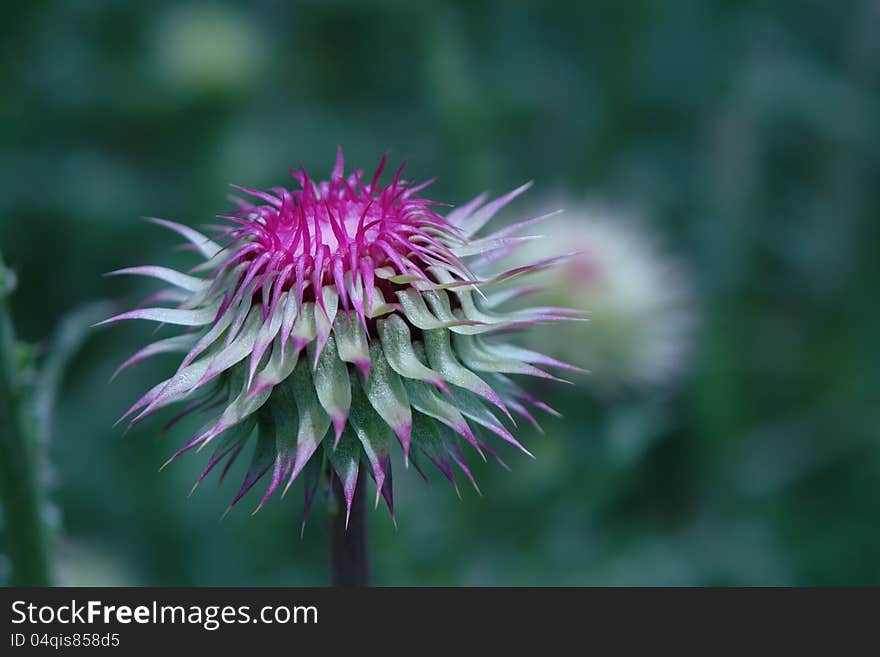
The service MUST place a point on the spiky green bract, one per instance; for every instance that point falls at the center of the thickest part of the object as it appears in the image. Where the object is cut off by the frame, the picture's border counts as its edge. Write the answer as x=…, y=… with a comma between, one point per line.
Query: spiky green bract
x=327, y=322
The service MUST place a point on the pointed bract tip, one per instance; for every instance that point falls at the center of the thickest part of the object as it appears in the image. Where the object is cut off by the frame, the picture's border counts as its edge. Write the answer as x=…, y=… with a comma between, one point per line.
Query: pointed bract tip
x=363, y=366
x=339, y=422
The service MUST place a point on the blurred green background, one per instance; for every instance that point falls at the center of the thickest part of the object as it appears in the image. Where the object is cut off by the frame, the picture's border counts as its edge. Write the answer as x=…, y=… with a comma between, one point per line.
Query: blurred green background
x=745, y=133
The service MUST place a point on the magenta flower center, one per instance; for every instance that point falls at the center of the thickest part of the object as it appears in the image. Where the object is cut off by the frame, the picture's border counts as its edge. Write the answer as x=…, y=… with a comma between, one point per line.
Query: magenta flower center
x=338, y=232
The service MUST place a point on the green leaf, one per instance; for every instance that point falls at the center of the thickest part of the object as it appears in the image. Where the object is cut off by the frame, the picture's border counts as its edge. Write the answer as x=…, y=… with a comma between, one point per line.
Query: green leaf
x=374, y=434
x=303, y=331
x=351, y=342
x=331, y=383
x=261, y=461
x=413, y=306
x=312, y=420
x=344, y=458
x=398, y=349
x=324, y=317
x=284, y=411
x=387, y=395
x=475, y=354
x=427, y=401
x=442, y=359
x=426, y=438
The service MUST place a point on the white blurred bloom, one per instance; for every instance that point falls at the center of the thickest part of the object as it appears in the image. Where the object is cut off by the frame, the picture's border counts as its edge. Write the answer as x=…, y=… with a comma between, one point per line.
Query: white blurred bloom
x=639, y=301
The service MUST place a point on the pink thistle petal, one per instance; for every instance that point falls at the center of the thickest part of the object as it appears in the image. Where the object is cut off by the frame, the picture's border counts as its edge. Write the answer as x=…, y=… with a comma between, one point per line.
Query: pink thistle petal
x=263, y=196
x=339, y=166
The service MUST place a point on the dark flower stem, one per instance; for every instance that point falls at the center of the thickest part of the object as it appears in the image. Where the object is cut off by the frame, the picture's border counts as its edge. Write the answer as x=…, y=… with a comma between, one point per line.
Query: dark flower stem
x=349, y=565
x=25, y=530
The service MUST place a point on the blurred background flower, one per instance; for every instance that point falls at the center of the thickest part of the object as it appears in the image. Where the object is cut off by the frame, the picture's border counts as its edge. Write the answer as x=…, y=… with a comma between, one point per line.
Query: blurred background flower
x=639, y=299
x=207, y=49
x=746, y=136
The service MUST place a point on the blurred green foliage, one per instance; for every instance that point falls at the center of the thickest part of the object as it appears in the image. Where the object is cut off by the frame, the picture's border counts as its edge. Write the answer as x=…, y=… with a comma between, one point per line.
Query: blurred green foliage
x=747, y=132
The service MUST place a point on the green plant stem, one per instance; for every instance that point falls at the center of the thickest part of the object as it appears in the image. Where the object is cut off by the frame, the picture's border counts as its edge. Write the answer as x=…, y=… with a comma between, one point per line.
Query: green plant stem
x=25, y=531
x=349, y=564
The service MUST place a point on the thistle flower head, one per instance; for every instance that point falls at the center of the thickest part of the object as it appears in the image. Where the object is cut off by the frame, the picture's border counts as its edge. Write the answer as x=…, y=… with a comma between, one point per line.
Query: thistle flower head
x=328, y=320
